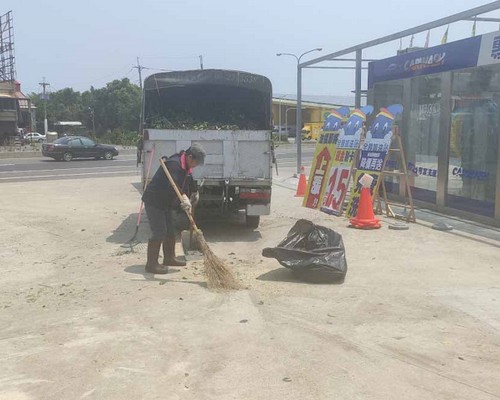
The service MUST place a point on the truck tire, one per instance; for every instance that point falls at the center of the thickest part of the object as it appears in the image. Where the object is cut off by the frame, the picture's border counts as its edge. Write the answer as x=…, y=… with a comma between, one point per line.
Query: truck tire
x=252, y=221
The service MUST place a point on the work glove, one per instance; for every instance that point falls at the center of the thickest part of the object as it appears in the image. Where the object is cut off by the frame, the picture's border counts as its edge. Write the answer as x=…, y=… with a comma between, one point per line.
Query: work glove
x=195, y=198
x=186, y=204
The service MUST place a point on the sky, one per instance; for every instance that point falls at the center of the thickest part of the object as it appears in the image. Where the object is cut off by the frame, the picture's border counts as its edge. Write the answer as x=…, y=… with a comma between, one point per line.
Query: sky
x=80, y=44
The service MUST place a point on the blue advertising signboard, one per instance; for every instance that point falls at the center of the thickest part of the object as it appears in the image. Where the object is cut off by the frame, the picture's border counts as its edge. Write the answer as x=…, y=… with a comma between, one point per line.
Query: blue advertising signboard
x=373, y=153
x=447, y=57
x=466, y=53
x=347, y=144
x=490, y=49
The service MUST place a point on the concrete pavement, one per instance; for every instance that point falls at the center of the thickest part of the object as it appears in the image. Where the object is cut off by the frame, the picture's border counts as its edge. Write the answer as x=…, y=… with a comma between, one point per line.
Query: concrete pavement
x=417, y=317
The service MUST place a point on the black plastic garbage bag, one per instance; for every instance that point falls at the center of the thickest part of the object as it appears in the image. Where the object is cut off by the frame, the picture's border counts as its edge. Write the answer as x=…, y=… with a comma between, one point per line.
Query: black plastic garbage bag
x=314, y=253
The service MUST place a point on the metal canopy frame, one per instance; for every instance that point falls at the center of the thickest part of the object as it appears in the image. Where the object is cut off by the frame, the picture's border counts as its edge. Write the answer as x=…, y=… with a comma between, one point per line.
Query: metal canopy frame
x=469, y=15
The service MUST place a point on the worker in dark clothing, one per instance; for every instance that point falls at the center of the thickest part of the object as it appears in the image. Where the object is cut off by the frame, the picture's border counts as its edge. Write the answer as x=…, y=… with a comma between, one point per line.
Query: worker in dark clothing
x=162, y=204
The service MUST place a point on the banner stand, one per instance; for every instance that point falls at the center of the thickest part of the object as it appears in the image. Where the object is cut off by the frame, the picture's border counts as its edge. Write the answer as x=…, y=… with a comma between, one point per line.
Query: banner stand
x=408, y=214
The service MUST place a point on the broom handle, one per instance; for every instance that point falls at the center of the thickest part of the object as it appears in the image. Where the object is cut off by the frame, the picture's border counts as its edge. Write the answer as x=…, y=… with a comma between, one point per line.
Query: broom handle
x=178, y=193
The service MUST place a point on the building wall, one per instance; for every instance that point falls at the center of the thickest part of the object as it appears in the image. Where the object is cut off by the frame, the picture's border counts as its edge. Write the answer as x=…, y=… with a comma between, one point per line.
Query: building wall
x=309, y=113
x=8, y=118
x=13, y=113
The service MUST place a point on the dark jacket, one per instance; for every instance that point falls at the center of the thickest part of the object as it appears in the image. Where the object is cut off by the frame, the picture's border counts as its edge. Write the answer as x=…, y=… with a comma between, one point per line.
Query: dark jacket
x=159, y=193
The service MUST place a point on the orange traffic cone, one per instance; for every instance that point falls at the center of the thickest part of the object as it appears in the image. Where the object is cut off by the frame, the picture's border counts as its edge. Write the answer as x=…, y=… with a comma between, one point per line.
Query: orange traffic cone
x=365, y=218
x=301, y=188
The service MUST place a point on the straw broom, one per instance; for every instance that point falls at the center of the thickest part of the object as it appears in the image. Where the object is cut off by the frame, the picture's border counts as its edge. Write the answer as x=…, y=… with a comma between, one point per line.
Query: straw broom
x=218, y=274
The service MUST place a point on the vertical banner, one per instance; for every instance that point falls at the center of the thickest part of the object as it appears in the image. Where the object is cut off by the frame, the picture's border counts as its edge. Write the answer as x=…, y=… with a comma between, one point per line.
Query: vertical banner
x=323, y=156
x=373, y=153
x=347, y=145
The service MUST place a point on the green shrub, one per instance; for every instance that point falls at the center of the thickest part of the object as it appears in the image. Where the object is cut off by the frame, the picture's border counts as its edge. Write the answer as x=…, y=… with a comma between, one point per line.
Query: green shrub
x=119, y=137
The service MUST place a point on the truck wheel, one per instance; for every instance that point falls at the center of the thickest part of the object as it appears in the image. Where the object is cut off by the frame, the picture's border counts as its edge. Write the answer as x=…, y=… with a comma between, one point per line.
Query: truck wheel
x=252, y=221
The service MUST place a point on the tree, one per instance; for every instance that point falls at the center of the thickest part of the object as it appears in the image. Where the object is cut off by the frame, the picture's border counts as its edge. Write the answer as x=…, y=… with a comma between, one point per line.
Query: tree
x=116, y=106
x=63, y=105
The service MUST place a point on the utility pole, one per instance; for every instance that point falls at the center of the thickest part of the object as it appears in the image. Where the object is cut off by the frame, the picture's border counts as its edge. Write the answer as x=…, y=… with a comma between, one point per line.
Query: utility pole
x=139, y=69
x=91, y=110
x=44, y=85
x=201, y=62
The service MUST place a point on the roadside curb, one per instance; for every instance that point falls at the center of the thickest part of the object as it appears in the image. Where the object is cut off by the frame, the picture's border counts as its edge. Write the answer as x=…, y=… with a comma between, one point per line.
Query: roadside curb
x=287, y=183
x=20, y=154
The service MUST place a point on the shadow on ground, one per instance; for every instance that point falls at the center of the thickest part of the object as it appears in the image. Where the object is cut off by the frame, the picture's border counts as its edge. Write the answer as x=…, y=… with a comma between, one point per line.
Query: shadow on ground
x=124, y=232
x=229, y=231
x=286, y=275
x=138, y=186
x=161, y=279
x=213, y=230
x=226, y=229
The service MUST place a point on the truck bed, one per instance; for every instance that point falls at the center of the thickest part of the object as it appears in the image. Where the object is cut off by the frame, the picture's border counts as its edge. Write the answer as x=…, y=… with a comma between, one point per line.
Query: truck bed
x=236, y=156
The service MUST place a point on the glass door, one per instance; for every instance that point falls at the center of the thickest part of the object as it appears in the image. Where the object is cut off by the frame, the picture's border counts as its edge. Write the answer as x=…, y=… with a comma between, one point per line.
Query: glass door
x=422, y=138
x=475, y=127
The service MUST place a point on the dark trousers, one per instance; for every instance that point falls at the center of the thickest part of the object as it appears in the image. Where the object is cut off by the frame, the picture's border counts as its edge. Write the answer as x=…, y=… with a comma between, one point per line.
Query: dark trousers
x=162, y=222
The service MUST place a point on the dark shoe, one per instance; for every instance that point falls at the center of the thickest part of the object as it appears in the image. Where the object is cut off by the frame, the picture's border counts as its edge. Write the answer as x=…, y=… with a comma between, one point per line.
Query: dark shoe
x=169, y=253
x=152, y=264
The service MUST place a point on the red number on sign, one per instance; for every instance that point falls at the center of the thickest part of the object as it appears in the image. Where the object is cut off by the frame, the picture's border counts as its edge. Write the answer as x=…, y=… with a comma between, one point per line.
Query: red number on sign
x=331, y=184
x=336, y=188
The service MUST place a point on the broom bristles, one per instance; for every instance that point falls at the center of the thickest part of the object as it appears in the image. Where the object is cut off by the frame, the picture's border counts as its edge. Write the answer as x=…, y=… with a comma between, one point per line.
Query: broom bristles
x=219, y=275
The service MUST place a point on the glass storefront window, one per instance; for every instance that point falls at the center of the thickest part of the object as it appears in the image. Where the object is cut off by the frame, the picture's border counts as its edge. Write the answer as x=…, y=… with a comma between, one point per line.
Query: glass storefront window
x=385, y=94
x=422, y=138
x=475, y=126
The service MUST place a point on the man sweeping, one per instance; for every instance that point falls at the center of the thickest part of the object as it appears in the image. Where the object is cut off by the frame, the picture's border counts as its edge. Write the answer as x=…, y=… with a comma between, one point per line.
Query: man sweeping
x=162, y=205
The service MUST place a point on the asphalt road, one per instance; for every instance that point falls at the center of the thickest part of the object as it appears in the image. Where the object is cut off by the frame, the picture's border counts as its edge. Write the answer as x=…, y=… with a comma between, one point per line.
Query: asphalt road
x=33, y=169
x=287, y=155
x=42, y=168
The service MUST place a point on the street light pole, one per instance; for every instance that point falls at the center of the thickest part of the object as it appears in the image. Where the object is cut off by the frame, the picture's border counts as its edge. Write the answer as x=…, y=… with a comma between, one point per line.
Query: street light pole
x=298, y=119
x=279, y=121
x=286, y=118
x=298, y=132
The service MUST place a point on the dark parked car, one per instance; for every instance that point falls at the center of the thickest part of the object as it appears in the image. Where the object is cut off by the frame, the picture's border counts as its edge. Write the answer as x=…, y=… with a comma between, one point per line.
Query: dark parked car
x=70, y=147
